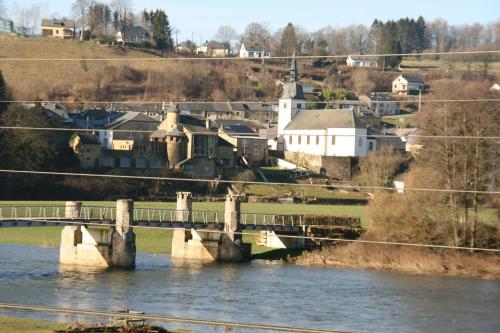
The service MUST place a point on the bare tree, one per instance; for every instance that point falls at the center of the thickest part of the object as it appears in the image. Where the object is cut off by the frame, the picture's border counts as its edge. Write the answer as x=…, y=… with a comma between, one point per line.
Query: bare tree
x=227, y=35
x=257, y=33
x=121, y=9
x=80, y=10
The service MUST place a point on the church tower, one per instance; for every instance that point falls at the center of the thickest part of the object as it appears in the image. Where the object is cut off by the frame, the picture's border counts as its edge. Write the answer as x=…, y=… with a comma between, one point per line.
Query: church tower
x=292, y=100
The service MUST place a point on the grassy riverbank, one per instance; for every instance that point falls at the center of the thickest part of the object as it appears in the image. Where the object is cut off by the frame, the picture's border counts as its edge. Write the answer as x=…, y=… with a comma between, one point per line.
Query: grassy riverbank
x=23, y=325
x=405, y=260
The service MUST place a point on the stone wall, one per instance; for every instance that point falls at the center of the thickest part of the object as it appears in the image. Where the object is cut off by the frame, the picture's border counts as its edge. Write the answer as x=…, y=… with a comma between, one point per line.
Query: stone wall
x=331, y=166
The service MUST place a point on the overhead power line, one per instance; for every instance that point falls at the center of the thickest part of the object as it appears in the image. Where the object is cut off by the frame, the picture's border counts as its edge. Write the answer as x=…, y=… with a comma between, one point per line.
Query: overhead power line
x=253, y=234
x=200, y=180
x=270, y=103
x=57, y=129
x=163, y=318
x=164, y=59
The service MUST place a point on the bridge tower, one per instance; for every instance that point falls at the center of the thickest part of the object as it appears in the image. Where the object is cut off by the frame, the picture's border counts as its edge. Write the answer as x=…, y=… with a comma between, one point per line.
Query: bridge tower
x=211, y=244
x=103, y=247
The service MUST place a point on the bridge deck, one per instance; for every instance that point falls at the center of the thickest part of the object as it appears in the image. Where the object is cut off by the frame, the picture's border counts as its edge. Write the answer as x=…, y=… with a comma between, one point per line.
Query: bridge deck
x=36, y=216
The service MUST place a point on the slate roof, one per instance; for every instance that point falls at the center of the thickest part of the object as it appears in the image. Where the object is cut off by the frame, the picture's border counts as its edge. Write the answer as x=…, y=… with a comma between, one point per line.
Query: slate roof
x=322, y=119
x=253, y=45
x=412, y=78
x=58, y=23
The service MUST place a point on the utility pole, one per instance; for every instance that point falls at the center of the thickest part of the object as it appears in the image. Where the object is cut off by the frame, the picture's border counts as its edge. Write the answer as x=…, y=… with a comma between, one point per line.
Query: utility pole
x=419, y=100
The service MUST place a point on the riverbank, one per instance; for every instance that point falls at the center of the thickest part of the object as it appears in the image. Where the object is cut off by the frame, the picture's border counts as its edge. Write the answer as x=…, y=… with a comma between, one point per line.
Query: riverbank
x=405, y=260
x=23, y=325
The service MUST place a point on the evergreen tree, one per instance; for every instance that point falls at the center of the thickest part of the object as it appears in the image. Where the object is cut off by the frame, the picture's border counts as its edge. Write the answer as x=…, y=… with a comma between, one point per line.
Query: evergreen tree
x=4, y=94
x=288, y=40
x=161, y=31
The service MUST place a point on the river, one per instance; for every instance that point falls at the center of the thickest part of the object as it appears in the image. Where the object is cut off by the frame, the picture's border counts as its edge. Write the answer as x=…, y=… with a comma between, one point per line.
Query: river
x=258, y=292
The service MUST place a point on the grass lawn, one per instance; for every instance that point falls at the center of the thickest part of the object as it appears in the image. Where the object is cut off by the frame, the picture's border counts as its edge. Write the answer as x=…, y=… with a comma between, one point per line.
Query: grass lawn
x=159, y=241
x=22, y=325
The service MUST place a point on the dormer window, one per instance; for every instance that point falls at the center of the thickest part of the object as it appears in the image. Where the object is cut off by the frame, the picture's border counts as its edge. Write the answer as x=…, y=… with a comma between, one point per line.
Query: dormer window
x=299, y=106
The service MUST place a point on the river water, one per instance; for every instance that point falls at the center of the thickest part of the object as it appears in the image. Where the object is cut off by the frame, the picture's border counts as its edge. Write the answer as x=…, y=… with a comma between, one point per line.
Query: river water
x=258, y=292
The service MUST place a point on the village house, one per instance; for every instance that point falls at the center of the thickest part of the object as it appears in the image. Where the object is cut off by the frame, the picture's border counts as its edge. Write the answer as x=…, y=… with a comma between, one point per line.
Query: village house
x=203, y=146
x=133, y=35
x=63, y=29
x=407, y=85
x=249, y=49
x=213, y=49
x=381, y=104
x=87, y=148
x=361, y=61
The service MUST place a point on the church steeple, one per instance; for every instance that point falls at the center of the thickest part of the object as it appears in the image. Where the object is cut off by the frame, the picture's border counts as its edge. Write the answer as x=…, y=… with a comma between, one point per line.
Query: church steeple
x=293, y=69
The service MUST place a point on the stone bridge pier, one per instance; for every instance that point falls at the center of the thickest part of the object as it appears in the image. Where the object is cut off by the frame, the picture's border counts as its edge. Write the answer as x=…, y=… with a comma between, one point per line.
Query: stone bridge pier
x=99, y=247
x=211, y=244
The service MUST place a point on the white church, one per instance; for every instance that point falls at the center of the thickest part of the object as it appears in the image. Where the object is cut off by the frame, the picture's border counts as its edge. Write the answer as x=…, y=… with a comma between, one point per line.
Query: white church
x=327, y=132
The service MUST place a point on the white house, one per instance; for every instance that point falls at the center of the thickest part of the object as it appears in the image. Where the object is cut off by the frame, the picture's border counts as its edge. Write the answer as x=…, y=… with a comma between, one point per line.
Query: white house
x=407, y=85
x=332, y=132
x=253, y=50
x=361, y=61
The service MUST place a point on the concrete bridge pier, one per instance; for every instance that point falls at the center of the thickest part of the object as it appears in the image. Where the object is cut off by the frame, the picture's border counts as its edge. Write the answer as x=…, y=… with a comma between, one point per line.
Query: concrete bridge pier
x=99, y=247
x=282, y=241
x=210, y=245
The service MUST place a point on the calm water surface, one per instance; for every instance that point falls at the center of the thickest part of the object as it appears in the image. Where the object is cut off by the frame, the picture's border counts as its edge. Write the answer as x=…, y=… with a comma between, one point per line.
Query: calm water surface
x=259, y=292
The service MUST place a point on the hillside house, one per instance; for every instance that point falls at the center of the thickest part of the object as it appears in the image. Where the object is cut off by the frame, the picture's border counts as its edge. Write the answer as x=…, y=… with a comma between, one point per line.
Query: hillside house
x=213, y=49
x=133, y=35
x=361, y=61
x=253, y=50
x=63, y=29
x=381, y=104
x=407, y=85
x=87, y=148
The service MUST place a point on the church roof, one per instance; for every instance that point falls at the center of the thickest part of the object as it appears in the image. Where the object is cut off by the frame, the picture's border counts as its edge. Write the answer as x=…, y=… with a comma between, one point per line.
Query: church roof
x=322, y=119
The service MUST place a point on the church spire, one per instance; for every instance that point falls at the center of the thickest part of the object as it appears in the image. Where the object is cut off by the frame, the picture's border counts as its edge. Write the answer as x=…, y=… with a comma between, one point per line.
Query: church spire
x=293, y=69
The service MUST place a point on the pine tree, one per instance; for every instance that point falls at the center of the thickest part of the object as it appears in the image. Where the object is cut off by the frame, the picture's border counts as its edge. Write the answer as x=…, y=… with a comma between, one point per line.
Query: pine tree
x=162, y=33
x=4, y=94
x=289, y=40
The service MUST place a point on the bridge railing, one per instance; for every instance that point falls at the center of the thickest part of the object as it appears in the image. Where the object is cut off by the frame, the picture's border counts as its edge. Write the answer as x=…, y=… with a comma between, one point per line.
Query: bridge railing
x=104, y=213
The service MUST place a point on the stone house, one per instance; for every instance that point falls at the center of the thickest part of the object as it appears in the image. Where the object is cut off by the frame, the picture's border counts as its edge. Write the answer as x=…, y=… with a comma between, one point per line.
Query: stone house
x=133, y=35
x=381, y=104
x=87, y=148
x=213, y=49
x=63, y=29
x=361, y=61
x=407, y=85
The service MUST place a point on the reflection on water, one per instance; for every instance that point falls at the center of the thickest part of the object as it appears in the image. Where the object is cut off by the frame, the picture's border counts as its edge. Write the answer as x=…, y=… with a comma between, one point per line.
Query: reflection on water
x=351, y=300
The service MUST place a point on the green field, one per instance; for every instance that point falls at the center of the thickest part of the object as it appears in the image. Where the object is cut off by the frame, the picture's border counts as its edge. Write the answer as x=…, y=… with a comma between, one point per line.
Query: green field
x=159, y=241
x=22, y=325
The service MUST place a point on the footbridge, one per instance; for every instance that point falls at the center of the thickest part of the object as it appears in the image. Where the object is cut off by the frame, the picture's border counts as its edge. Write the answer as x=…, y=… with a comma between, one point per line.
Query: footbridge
x=103, y=236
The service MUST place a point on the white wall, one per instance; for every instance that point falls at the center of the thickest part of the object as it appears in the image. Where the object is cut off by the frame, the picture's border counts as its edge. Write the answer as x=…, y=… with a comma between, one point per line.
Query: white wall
x=287, y=110
x=348, y=142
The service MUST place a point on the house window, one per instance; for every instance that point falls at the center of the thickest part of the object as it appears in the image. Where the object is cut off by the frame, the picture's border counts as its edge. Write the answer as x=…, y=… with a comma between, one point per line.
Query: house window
x=370, y=146
x=333, y=139
x=317, y=140
x=290, y=140
x=300, y=140
x=360, y=142
x=284, y=105
x=308, y=140
x=299, y=106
